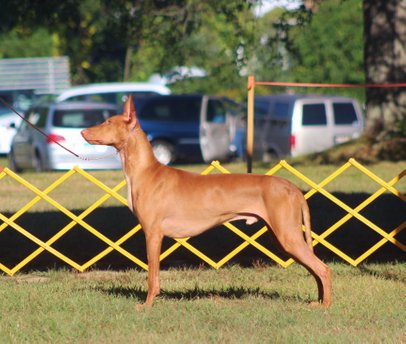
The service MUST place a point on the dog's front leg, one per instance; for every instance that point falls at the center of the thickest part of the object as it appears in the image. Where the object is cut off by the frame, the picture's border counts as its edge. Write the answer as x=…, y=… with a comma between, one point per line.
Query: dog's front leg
x=154, y=243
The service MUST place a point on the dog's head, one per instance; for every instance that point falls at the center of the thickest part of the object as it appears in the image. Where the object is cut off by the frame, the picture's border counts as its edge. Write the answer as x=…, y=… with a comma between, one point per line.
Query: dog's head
x=115, y=130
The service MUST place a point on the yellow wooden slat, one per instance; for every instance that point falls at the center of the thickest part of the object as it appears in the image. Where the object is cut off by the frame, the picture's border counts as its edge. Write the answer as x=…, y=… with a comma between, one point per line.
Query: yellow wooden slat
x=379, y=180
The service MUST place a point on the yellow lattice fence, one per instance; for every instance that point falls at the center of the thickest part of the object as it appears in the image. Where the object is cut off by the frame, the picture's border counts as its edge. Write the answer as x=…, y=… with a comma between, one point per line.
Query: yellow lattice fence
x=9, y=223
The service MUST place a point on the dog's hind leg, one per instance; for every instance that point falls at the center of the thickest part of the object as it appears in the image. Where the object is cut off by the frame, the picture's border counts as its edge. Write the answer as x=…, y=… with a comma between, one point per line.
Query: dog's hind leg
x=285, y=221
x=321, y=272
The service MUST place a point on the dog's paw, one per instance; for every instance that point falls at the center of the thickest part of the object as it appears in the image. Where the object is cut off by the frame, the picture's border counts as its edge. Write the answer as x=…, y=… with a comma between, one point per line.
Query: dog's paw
x=318, y=304
x=140, y=307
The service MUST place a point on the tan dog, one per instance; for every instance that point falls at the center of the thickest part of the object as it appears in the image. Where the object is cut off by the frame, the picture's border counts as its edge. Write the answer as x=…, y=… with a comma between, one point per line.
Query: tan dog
x=175, y=203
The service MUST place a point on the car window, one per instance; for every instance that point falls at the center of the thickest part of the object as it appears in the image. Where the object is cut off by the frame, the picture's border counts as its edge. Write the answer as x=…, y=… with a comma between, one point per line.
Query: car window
x=103, y=97
x=260, y=109
x=116, y=98
x=37, y=116
x=20, y=100
x=232, y=107
x=281, y=110
x=344, y=113
x=79, y=118
x=42, y=117
x=174, y=110
x=314, y=114
x=216, y=113
x=4, y=110
x=80, y=98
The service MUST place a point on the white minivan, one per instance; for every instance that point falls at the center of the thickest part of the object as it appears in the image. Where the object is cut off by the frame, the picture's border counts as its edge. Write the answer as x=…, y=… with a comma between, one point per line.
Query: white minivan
x=292, y=125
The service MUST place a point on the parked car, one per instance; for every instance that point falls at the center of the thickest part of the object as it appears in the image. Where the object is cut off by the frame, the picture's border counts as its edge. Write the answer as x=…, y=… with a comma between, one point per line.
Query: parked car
x=62, y=122
x=292, y=125
x=9, y=121
x=188, y=127
x=114, y=92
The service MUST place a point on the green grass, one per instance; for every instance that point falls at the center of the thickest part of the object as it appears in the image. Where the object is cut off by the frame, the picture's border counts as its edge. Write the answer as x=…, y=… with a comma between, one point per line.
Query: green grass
x=233, y=305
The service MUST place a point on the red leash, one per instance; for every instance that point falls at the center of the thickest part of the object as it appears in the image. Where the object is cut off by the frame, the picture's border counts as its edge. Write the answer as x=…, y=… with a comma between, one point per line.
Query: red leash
x=302, y=84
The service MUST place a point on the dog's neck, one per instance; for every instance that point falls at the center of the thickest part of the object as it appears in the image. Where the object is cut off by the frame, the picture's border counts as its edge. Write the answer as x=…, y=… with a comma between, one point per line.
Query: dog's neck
x=136, y=153
x=138, y=161
x=121, y=145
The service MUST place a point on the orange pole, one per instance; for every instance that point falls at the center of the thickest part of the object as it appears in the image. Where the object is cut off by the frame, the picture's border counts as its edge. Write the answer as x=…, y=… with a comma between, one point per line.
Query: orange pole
x=250, y=122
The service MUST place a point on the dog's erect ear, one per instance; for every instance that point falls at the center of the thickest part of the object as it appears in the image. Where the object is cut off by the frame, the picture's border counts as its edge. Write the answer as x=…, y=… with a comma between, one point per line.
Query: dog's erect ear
x=129, y=109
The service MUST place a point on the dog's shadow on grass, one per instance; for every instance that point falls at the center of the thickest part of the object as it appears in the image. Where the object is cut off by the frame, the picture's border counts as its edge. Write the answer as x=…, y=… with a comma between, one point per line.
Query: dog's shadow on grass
x=196, y=293
x=387, y=274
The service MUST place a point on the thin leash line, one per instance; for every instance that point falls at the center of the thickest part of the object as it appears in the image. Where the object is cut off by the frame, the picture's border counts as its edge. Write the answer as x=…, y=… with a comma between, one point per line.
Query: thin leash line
x=50, y=138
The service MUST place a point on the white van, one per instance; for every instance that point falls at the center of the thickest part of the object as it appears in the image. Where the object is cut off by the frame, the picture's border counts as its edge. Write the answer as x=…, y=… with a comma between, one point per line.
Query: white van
x=113, y=92
x=292, y=125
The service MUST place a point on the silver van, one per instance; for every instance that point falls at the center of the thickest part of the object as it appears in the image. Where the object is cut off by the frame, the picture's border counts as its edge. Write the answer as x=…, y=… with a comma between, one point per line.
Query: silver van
x=292, y=125
x=62, y=122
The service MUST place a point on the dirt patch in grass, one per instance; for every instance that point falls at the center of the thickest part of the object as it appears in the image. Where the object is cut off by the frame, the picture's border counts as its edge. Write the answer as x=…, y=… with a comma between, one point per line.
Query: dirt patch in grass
x=101, y=275
x=31, y=279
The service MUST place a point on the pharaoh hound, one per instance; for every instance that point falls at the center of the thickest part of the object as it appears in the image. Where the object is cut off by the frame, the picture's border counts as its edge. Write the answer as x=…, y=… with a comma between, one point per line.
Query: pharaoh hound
x=178, y=204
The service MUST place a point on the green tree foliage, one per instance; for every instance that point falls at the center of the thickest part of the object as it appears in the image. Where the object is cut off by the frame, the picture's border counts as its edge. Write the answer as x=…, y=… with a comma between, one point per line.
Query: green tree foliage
x=26, y=43
x=329, y=49
x=104, y=37
x=70, y=26
x=222, y=37
x=219, y=45
x=270, y=59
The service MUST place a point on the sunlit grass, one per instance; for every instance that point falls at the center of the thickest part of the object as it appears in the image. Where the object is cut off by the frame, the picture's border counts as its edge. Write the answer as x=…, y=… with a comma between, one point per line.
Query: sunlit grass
x=233, y=305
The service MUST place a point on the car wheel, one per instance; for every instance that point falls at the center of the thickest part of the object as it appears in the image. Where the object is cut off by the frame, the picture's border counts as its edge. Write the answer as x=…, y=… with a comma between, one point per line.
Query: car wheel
x=164, y=151
x=12, y=163
x=38, y=163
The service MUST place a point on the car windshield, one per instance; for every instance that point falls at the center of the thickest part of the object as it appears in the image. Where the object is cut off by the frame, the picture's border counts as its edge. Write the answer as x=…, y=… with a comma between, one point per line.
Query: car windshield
x=4, y=110
x=80, y=118
x=170, y=109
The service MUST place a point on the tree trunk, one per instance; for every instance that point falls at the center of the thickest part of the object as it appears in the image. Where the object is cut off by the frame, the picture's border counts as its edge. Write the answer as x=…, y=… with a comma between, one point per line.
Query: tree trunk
x=385, y=62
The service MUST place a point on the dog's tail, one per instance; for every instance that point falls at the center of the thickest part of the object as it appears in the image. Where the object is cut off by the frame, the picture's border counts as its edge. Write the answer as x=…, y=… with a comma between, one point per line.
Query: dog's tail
x=306, y=220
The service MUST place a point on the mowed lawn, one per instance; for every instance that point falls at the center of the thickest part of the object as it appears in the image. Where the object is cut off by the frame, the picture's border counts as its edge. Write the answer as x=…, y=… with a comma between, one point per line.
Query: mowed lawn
x=262, y=303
